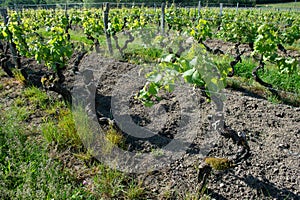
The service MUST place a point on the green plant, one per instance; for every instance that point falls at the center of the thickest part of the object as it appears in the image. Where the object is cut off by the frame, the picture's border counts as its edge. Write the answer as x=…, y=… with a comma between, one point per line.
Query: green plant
x=26, y=172
x=194, y=68
x=19, y=76
x=245, y=68
x=19, y=102
x=219, y=163
x=36, y=97
x=274, y=99
x=115, y=137
x=20, y=113
x=63, y=132
x=109, y=184
x=134, y=190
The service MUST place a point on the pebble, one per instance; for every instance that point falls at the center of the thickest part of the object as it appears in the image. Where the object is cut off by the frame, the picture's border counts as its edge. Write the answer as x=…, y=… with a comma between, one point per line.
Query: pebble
x=284, y=146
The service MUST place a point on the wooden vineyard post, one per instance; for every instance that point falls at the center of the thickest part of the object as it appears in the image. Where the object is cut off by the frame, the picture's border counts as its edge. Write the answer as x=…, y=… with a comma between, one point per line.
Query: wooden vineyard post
x=221, y=9
x=199, y=8
x=107, y=34
x=163, y=5
x=4, y=15
x=237, y=7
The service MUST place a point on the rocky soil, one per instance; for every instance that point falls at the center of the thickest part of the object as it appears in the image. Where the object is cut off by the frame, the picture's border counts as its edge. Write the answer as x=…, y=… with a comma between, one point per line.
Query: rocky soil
x=273, y=132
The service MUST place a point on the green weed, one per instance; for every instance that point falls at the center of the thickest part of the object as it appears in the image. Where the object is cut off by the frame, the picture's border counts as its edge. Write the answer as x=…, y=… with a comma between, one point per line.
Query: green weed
x=115, y=137
x=245, y=68
x=274, y=99
x=109, y=184
x=26, y=172
x=134, y=191
x=19, y=76
x=79, y=36
x=19, y=113
x=63, y=132
x=143, y=55
x=36, y=97
x=282, y=81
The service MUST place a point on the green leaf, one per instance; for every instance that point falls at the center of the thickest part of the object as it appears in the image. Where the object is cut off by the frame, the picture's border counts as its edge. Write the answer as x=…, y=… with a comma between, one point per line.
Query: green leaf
x=196, y=76
x=168, y=58
x=194, y=61
x=188, y=72
x=155, y=78
x=153, y=89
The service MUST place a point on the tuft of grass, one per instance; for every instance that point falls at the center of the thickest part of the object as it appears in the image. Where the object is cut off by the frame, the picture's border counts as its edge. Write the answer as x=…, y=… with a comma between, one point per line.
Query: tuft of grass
x=55, y=108
x=26, y=172
x=85, y=127
x=113, y=184
x=157, y=152
x=63, y=132
x=115, y=137
x=36, y=97
x=79, y=36
x=273, y=99
x=134, y=191
x=140, y=55
x=245, y=68
x=282, y=81
x=19, y=76
x=19, y=113
x=219, y=163
x=109, y=184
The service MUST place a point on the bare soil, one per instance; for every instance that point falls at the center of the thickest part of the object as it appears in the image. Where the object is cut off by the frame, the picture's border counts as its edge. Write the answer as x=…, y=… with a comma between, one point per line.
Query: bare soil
x=273, y=133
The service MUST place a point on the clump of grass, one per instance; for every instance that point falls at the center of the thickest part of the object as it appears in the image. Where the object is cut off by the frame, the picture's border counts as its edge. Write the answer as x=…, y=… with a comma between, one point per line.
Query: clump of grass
x=109, y=184
x=245, y=68
x=36, y=97
x=115, y=137
x=19, y=113
x=135, y=190
x=143, y=55
x=25, y=169
x=219, y=163
x=63, y=132
x=273, y=99
x=19, y=76
x=112, y=184
x=55, y=108
x=282, y=81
